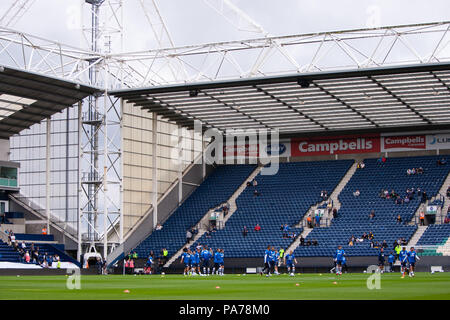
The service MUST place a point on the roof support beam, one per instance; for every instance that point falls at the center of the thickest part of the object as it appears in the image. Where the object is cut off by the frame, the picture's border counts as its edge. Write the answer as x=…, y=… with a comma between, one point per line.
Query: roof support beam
x=399, y=99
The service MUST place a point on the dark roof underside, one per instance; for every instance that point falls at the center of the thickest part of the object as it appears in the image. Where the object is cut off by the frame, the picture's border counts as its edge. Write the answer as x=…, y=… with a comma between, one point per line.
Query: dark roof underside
x=413, y=97
x=27, y=98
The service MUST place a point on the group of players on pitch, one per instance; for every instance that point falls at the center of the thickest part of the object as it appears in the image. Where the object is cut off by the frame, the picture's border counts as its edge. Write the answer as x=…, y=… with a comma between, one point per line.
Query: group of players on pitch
x=203, y=261
x=407, y=260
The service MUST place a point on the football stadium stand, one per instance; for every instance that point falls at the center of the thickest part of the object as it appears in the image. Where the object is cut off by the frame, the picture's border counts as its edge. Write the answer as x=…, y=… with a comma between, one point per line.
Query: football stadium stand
x=353, y=217
x=284, y=199
x=216, y=189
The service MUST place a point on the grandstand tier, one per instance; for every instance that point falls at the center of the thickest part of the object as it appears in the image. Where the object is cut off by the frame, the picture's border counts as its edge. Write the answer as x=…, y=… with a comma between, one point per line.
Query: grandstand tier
x=285, y=198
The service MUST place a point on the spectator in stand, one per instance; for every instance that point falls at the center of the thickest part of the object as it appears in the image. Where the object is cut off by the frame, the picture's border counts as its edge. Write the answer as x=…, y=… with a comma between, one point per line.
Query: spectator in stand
x=315, y=242
x=422, y=218
x=361, y=165
x=244, y=231
x=370, y=236
x=285, y=231
x=448, y=192
x=335, y=213
x=257, y=227
x=406, y=200
x=399, y=219
x=330, y=206
x=256, y=193
x=27, y=257
x=158, y=227
x=447, y=219
x=309, y=220
x=381, y=160
x=441, y=162
x=302, y=241
x=255, y=183
x=364, y=236
x=317, y=219
x=188, y=235
x=226, y=209
x=372, y=215
x=44, y=230
x=356, y=193
x=384, y=244
x=419, y=170
x=424, y=197
x=23, y=245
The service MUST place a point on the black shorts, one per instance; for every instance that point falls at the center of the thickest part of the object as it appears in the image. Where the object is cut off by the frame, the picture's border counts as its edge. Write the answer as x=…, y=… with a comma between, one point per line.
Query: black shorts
x=205, y=263
x=216, y=265
x=412, y=264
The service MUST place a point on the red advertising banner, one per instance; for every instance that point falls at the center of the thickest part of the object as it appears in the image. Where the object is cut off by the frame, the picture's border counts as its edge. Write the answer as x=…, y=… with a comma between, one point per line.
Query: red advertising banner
x=241, y=151
x=335, y=145
x=405, y=142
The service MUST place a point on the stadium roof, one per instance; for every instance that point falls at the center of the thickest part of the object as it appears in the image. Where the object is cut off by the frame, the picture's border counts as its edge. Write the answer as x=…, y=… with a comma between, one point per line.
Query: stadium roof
x=27, y=98
x=409, y=97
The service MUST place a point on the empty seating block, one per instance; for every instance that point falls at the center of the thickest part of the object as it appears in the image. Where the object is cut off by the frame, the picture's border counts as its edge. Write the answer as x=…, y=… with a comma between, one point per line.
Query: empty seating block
x=284, y=199
x=216, y=189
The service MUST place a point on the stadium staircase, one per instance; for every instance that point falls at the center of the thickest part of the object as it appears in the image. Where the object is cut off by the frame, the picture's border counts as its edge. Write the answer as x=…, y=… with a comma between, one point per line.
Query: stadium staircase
x=336, y=204
x=39, y=214
x=445, y=248
x=204, y=222
x=437, y=199
x=435, y=240
x=417, y=235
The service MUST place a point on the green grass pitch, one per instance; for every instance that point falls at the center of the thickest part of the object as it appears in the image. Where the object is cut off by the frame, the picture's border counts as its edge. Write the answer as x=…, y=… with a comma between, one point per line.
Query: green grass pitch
x=230, y=287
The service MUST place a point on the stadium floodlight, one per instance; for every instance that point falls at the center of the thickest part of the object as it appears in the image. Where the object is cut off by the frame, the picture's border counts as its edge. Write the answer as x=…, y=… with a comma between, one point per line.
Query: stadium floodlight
x=303, y=83
x=193, y=93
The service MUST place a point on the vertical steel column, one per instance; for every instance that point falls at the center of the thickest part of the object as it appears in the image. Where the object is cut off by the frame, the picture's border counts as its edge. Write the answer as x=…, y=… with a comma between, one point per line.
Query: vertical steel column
x=47, y=173
x=155, y=168
x=105, y=172
x=180, y=164
x=80, y=155
x=121, y=172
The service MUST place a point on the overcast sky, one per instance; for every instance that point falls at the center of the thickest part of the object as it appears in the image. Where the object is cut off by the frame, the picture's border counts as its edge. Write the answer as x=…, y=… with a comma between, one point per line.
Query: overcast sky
x=192, y=21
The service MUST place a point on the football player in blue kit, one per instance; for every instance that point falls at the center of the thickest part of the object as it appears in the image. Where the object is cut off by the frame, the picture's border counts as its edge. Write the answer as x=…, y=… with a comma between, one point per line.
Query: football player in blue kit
x=412, y=259
x=206, y=255
x=403, y=257
x=339, y=259
x=290, y=261
x=186, y=259
x=195, y=260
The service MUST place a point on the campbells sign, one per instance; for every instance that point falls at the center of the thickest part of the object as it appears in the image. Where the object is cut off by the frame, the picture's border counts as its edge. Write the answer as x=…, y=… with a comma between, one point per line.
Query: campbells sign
x=404, y=142
x=335, y=145
x=241, y=151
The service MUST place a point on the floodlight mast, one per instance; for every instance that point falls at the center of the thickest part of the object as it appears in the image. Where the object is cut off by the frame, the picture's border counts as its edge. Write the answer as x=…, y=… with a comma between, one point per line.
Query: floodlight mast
x=99, y=158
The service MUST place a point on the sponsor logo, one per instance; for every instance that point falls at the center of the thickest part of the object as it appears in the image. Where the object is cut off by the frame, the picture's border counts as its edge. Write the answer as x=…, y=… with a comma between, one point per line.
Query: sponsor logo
x=439, y=140
x=335, y=146
x=241, y=150
x=276, y=149
x=400, y=142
